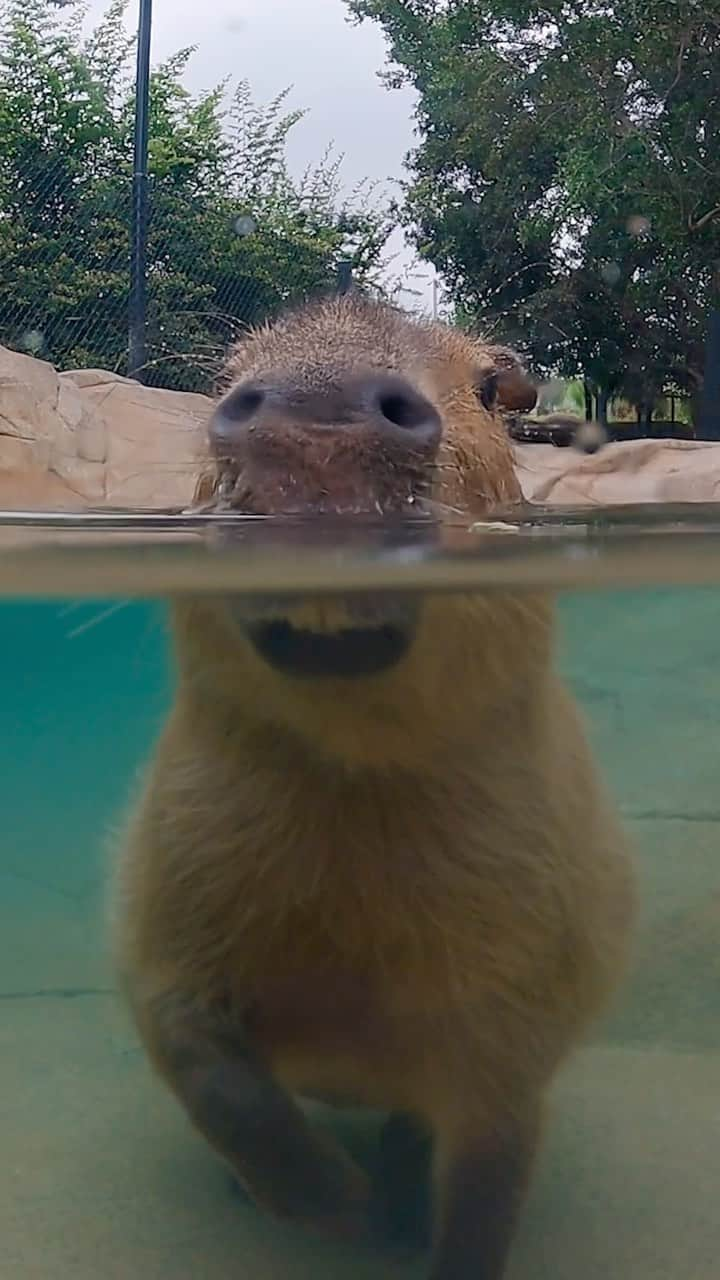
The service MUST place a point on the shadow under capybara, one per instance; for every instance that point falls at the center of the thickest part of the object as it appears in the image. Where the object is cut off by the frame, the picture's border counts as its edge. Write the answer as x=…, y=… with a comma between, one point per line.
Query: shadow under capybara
x=373, y=862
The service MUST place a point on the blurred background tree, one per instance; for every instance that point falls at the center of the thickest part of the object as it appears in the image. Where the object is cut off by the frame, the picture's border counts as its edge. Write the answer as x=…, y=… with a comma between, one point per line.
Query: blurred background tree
x=232, y=236
x=567, y=178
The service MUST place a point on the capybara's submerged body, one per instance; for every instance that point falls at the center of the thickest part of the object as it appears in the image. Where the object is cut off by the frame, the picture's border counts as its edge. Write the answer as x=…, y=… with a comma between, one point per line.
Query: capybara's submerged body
x=373, y=862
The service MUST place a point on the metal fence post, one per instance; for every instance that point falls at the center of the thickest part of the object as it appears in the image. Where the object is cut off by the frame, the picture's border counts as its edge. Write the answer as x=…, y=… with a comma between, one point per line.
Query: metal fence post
x=137, y=338
x=708, y=427
x=344, y=280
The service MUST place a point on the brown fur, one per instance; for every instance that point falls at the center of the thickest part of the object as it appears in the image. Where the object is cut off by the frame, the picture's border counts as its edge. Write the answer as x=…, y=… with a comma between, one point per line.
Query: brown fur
x=409, y=890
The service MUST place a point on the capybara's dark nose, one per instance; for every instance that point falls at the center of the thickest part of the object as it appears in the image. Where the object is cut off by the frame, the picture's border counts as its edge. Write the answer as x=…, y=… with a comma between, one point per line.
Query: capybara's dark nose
x=385, y=403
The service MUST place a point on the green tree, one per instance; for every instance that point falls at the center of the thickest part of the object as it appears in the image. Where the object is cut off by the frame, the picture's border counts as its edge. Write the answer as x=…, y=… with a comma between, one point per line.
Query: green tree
x=567, y=179
x=232, y=237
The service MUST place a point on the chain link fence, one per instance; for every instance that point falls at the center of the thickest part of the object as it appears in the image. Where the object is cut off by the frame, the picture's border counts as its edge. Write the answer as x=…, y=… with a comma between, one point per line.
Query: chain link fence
x=65, y=275
x=231, y=238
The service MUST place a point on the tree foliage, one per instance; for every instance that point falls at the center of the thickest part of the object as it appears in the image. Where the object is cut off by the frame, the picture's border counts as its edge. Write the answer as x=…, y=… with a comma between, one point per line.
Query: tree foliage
x=567, y=178
x=217, y=168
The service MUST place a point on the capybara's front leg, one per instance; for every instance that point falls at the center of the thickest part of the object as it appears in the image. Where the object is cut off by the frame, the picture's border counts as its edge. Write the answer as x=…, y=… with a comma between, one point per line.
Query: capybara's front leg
x=233, y=1100
x=481, y=1173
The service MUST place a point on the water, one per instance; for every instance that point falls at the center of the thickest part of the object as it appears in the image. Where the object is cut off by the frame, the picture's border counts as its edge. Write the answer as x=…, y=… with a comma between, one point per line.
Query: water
x=101, y=1176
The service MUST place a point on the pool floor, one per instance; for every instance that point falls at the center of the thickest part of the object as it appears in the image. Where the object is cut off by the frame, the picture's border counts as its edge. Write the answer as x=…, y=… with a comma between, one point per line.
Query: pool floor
x=103, y=1179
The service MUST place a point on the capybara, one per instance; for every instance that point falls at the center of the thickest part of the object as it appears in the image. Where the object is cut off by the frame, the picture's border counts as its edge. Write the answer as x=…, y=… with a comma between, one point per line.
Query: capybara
x=562, y=429
x=373, y=862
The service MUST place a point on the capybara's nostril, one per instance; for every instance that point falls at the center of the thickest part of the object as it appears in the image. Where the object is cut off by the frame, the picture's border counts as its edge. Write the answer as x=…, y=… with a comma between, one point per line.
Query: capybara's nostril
x=399, y=410
x=242, y=403
x=396, y=404
x=404, y=409
x=235, y=416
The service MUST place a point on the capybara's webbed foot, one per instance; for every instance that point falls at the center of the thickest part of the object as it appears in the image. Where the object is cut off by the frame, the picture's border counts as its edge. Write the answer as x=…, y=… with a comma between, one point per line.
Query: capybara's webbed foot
x=277, y=1159
x=402, y=1196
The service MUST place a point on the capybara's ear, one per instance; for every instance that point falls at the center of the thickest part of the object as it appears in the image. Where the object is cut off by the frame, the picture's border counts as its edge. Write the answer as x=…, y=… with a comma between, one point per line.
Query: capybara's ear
x=516, y=390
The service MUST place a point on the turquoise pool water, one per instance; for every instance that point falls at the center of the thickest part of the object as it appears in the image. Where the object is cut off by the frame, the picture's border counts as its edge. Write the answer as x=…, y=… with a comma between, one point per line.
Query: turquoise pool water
x=100, y=1176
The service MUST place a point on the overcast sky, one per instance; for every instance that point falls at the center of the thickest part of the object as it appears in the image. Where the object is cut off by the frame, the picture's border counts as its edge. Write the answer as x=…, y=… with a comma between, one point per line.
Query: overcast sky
x=309, y=44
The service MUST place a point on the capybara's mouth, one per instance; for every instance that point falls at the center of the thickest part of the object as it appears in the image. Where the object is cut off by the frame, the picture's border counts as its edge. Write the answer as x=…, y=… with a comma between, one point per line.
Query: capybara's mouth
x=347, y=654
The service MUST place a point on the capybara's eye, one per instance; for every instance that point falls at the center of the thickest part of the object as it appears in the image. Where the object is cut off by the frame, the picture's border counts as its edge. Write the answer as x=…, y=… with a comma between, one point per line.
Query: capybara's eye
x=487, y=389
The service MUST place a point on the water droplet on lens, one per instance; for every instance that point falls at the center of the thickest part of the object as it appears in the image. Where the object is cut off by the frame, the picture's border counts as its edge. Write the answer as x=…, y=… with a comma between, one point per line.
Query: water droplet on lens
x=638, y=225
x=245, y=225
x=33, y=341
x=610, y=273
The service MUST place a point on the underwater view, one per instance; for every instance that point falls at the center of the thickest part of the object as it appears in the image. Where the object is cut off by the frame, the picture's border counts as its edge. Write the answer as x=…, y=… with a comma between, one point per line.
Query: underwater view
x=103, y=1176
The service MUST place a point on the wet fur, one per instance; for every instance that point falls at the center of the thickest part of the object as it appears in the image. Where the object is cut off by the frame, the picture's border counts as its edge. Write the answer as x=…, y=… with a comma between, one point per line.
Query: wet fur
x=410, y=892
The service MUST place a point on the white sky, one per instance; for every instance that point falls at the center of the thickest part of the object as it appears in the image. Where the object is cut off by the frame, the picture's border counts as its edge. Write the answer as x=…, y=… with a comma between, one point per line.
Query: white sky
x=331, y=64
